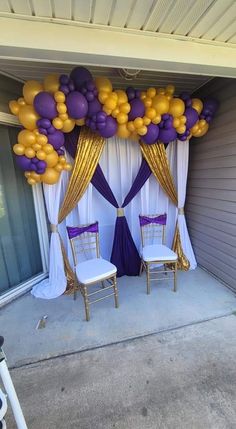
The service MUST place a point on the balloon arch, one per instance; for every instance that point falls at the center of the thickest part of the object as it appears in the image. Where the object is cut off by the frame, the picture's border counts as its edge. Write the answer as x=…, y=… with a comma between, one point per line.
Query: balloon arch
x=48, y=110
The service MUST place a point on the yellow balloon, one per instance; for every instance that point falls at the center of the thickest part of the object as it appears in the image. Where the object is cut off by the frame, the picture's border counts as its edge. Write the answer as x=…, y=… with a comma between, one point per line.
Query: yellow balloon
x=130, y=126
x=103, y=84
x=170, y=89
x=62, y=159
x=21, y=101
x=102, y=96
x=14, y=107
x=161, y=104
x=52, y=159
x=146, y=121
x=195, y=128
x=197, y=104
x=115, y=112
x=64, y=116
x=138, y=122
x=19, y=149
x=183, y=119
x=58, y=168
x=27, y=174
x=202, y=131
x=202, y=123
x=177, y=107
x=106, y=110
x=147, y=102
x=181, y=129
x=142, y=130
x=50, y=176
x=68, y=125
x=122, y=118
x=176, y=122
x=57, y=123
x=41, y=155
x=36, y=147
x=122, y=131
x=48, y=148
x=35, y=176
x=30, y=152
x=26, y=137
x=125, y=108
x=150, y=112
x=42, y=139
x=31, y=89
x=51, y=83
x=31, y=181
x=80, y=122
x=61, y=108
x=157, y=119
x=161, y=91
x=151, y=92
x=110, y=103
x=59, y=97
x=122, y=97
x=68, y=167
x=28, y=117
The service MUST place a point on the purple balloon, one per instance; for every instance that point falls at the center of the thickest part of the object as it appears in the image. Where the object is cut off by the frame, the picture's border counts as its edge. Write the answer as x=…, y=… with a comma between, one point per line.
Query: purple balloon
x=34, y=160
x=51, y=130
x=184, y=96
x=188, y=103
x=168, y=124
x=137, y=109
x=43, y=131
x=211, y=104
x=33, y=167
x=64, y=79
x=23, y=162
x=130, y=91
x=110, y=129
x=167, y=136
x=64, y=89
x=94, y=107
x=45, y=105
x=80, y=75
x=71, y=86
x=77, y=105
x=57, y=139
x=101, y=117
x=152, y=134
x=42, y=164
x=191, y=116
x=44, y=123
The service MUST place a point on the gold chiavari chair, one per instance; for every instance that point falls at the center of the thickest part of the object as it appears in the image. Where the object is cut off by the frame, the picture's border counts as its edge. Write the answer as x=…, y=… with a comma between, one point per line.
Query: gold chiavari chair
x=84, y=240
x=153, y=253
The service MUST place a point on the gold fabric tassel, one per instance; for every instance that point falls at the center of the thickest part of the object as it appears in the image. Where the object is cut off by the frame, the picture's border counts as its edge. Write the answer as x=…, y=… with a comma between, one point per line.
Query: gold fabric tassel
x=183, y=262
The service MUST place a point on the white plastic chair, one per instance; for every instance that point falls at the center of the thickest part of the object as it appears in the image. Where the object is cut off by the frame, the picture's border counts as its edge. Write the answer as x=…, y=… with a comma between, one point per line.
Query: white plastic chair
x=84, y=239
x=152, y=229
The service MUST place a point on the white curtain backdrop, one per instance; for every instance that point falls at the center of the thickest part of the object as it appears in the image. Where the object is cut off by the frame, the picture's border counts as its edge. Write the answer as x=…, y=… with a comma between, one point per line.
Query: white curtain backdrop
x=120, y=162
x=182, y=173
x=55, y=285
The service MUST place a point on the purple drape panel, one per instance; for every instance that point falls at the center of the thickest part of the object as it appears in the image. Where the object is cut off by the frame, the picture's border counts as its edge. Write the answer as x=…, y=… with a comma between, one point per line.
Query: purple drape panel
x=124, y=252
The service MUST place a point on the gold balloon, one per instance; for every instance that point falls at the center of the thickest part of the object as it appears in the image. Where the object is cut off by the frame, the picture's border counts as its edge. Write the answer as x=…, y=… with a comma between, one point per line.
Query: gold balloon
x=202, y=131
x=177, y=107
x=61, y=108
x=106, y=110
x=64, y=117
x=125, y=108
x=58, y=168
x=150, y=112
x=202, y=123
x=35, y=176
x=14, y=107
x=67, y=167
x=41, y=155
x=51, y=83
x=50, y=177
x=151, y=92
x=138, y=122
x=28, y=117
x=122, y=118
x=197, y=104
x=176, y=122
x=146, y=121
x=80, y=122
x=36, y=147
x=181, y=129
x=122, y=97
x=68, y=125
x=102, y=96
x=52, y=159
x=115, y=112
x=170, y=89
x=19, y=149
x=26, y=137
x=103, y=84
x=30, y=152
x=31, y=89
x=142, y=130
x=147, y=102
x=31, y=181
x=57, y=123
x=48, y=148
x=195, y=128
x=161, y=104
x=130, y=126
x=110, y=103
x=157, y=119
x=42, y=139
x=122, y=131
x=60, y=97
x=21, y=101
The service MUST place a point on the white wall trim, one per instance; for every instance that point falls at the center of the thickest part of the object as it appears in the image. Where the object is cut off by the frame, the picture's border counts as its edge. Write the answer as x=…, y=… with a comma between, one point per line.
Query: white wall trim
x=9, y=119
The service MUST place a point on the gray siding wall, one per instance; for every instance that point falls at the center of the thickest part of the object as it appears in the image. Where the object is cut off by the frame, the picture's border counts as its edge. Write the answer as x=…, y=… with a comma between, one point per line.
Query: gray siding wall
x=211, y=191
x=9, y=90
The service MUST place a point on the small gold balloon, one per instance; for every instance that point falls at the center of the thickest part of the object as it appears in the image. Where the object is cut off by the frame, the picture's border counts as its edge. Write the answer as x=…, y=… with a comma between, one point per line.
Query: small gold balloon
x=122, y=97
x=41, y=155
x=197, y=104
x=27, y=174
x=102, y=96
x=146, y=121
x=50, y=177
x=68, y=167
x=176, y=122
x=52, y=159
x=130, y=126
x=147, y=102
x=142, y=130
x=42, y=139
x=31, y=89
x=110, y=103
x=61, y=108
x=80, y=122
x=51, y=83
x=170, y=89
x=21, y=101
x=115, y=112
x=57, y=123
x=122, y=118
x=19, y=149
x=151, y=92
x=59, y=97
x=106, y=110
x=58, y=168
x=176, y=107
x=26, y=137
x=103, y=84
x=31, y=181
x=150, y=112
x=125, y=108
x=122, y=131
x=138, y=122
x=35, y=176
x=68, y=125
x=30, y=152
x=156, y=120
x=36, y=147
x=14, y=107
x=62, y=159
x=48, y=148
x=64, y=117
x=161, y=104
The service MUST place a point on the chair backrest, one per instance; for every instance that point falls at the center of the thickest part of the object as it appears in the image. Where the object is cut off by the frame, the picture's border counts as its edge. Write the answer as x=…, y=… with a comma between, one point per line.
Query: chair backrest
x=84, y=239
x=152, y=227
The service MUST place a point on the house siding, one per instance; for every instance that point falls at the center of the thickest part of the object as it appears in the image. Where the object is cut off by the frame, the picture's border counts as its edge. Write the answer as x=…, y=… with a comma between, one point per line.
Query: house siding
x=211, y=191
x=9, y=90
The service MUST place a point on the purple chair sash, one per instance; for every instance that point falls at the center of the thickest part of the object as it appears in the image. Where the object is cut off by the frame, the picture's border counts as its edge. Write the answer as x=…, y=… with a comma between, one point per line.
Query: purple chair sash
x=78, y=230
x=146, y=220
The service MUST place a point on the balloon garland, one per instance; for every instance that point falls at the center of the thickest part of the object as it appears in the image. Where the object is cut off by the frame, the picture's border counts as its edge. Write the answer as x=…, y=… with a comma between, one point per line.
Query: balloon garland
x=48, y=110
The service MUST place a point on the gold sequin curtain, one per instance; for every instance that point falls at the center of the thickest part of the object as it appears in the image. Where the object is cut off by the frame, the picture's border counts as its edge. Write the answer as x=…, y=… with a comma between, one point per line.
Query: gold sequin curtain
x=156, y=158
x=90, y=146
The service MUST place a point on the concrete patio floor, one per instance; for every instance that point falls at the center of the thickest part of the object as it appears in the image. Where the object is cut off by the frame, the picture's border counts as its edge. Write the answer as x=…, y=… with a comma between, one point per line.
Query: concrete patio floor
x=180, y=379
x=199, y=297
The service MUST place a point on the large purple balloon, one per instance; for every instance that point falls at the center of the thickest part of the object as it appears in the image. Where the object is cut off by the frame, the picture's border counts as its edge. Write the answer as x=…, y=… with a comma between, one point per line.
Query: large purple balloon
x=80, y=75
x=110, y=128
x=77, y=105
x=23, y=162
x=166, y=136
x=152, y=134
x=45, y=105
x=191, y=116
x=94, y=107
x=137, y=109
x=56, y=139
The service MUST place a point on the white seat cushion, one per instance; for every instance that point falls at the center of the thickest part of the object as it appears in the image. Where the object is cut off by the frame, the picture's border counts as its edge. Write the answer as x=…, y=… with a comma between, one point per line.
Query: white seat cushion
x=158, y=252
x=94, y=270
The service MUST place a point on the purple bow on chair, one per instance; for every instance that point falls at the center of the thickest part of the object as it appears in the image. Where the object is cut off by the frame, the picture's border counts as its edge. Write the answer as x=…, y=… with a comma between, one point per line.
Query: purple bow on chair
x=78, y=230
x=146, y=220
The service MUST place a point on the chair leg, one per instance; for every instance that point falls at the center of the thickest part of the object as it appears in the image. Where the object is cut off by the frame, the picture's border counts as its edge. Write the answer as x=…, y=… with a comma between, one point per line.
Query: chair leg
x=175, y=277
x=115, y=292
x=75, y=287
x=148, y=279
x=86, y=303
x=141, y=268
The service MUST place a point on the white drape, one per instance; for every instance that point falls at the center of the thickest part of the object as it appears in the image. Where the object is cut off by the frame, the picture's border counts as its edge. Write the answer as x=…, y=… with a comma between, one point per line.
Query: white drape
x=55, y=285
x=182, y=173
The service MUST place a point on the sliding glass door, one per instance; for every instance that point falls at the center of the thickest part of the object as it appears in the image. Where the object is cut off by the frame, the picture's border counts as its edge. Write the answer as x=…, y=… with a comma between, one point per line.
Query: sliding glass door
x=20, y=255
